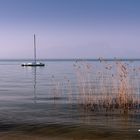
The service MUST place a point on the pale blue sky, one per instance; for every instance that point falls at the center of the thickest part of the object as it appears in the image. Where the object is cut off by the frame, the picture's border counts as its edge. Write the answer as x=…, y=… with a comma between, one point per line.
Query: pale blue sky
x=70, y=28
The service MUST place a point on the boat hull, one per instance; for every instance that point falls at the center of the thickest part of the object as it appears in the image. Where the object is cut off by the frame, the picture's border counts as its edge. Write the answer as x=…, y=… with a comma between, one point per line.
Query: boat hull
x=33, y=64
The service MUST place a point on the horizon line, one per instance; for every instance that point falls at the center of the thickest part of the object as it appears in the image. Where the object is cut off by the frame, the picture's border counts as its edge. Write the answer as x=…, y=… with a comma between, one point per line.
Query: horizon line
x=70, y=59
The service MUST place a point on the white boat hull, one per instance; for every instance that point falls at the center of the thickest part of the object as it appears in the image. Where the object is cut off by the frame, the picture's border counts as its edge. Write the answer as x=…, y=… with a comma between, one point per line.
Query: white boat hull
x=33, y=64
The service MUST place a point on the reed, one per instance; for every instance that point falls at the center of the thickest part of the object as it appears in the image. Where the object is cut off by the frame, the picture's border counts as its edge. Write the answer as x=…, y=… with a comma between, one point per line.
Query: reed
x=109, y=87
x=103, y=86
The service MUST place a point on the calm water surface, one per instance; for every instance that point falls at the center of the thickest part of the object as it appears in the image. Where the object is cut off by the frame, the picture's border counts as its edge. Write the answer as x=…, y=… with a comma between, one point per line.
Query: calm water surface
x=36, y=102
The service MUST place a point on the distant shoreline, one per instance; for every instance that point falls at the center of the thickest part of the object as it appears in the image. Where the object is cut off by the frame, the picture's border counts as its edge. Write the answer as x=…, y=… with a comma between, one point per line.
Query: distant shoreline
x=77, y=59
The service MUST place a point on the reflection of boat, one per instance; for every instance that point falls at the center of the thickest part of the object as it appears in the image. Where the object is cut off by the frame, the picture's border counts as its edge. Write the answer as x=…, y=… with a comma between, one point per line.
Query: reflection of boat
x=34, y=84
x=34, y=64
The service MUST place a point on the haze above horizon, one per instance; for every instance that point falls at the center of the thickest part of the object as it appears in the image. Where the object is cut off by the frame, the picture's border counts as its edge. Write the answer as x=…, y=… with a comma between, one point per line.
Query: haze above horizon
x=70, y=28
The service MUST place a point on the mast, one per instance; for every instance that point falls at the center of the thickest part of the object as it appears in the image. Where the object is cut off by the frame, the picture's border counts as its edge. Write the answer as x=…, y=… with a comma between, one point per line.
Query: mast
x=34, y=49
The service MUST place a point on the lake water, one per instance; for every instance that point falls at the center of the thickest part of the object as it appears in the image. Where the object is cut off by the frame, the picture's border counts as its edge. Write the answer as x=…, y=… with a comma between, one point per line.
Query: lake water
x=46, y=103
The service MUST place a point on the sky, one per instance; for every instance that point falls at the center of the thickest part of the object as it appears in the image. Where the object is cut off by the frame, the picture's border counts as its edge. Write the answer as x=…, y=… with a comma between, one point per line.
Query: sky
x=70, y=28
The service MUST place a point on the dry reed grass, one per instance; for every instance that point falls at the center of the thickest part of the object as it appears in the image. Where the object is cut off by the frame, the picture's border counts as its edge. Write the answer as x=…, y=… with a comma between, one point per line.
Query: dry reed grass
x=106, y=86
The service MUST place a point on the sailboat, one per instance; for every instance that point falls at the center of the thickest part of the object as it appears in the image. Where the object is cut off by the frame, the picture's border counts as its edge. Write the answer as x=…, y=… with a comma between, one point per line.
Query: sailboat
x=34, y=63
